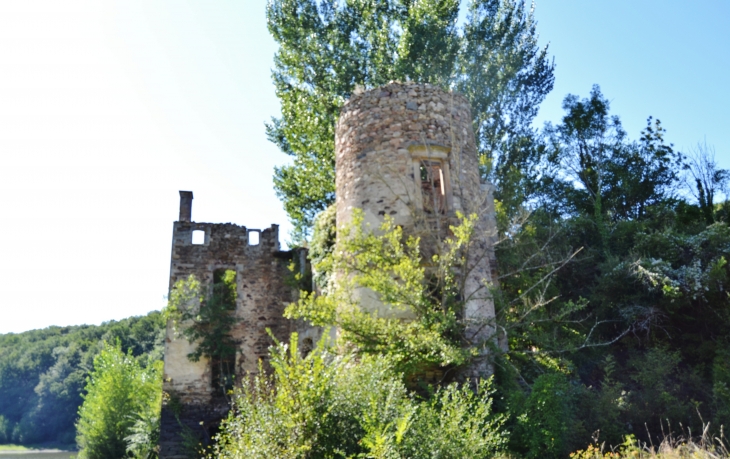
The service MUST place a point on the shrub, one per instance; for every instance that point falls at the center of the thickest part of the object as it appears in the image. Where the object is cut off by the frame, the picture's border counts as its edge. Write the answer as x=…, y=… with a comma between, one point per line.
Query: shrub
x=336, y=406
x=118, y=393
x=543, y=427
x=721, y=387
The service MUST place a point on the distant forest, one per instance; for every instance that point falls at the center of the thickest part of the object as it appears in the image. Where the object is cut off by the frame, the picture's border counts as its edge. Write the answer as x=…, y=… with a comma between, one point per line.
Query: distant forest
x=43, y=374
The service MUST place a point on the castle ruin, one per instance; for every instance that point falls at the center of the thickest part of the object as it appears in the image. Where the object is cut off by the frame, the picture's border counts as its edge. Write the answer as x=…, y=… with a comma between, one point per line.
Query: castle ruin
x=196, y=403
x=403, y=150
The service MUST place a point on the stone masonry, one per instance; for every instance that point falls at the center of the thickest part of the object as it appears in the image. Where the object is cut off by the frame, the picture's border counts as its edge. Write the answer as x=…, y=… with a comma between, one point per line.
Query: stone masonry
x=263, y=291
x=402, y=150
x=408, y=151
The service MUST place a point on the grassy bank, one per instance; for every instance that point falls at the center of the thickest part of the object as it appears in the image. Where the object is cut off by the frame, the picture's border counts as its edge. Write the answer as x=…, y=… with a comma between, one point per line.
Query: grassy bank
x=37, y=447
x=14, y=448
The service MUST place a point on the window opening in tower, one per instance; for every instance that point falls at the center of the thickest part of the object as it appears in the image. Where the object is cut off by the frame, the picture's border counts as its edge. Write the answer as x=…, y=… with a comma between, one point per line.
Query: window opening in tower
x=432, y=187
x=223, y=370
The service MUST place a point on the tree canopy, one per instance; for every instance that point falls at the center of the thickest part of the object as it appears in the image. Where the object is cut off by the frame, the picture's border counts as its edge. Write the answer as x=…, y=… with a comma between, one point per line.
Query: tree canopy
x=328, y=48
x=43, y=374
x=612, y=278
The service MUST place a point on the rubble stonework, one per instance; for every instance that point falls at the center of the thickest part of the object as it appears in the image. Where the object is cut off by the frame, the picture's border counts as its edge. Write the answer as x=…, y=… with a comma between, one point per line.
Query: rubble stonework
x=263, y=291
x=386, y=139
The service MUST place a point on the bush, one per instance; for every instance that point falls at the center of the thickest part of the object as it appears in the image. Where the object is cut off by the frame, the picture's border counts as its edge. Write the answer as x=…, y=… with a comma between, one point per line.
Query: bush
x=329, y=406
x=721, y=387
x=119, y=393
x=543, y=427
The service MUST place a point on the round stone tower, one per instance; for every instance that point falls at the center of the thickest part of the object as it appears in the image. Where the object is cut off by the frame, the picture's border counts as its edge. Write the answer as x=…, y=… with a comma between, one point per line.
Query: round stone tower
x=408, y=151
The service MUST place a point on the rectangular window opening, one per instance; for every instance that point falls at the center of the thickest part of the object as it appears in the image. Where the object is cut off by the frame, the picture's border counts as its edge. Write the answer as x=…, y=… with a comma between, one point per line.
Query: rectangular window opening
x=223, y=372
x=253, y=237
x=433, y=188
x=198, y=237
x=307, y=347
x=224, y=291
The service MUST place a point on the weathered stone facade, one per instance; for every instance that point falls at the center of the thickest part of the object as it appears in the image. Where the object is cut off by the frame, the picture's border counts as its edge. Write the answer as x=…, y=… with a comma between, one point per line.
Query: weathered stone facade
x=403, y=150
x=263, y=291
x=408, y=151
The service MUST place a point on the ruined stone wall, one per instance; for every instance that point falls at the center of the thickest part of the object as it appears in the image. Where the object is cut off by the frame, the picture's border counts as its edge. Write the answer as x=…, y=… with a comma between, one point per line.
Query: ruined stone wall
x=381, y=137
x=263, y=291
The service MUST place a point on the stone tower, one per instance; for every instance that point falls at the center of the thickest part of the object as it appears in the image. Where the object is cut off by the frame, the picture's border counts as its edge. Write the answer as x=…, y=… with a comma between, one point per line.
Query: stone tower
x=402, y=150
x=196, y=403
x=408, y=151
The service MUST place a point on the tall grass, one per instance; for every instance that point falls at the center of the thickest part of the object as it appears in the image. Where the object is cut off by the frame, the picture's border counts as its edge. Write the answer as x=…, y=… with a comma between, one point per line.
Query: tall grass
x=706, y=446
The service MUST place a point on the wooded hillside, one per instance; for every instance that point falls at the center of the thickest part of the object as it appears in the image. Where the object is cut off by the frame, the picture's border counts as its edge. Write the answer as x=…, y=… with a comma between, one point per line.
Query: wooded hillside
x=43, y=374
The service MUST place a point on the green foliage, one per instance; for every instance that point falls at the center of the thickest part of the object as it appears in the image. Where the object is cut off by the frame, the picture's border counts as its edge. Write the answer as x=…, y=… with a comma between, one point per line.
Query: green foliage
x=327, y=48
x=119, y=392
x=545, y=417
x=143, y=440
x=613, y=291
x=721, y=386
x=205, y=319
x=43, y=372
x=206, y=316
x=389, y=265
x=5, y=430
x=458, y=422
x=657, y=395
x=614, y=281
x=505, y=75
x=325, y=405
x=613, y=288
x=596, y=171
x=324, y=234
x=706, y=180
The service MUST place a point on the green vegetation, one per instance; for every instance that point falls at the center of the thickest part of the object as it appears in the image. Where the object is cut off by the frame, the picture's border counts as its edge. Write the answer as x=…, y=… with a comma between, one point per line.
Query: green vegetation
x=204, y=316
x=328, y=48
x=613, y=290
x=43, y=374
x=121, y=407
x=390, y=265
x=328, y=405
x=207, y=317
x=646, y=341
x=14, y=448
x=613, y=279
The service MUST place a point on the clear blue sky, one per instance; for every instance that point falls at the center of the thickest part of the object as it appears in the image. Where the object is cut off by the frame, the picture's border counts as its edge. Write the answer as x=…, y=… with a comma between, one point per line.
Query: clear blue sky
x=107, y=109
x=669, y=59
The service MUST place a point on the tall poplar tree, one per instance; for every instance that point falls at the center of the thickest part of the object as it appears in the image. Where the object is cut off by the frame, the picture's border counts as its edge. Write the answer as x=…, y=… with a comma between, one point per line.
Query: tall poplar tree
x=328, y=47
